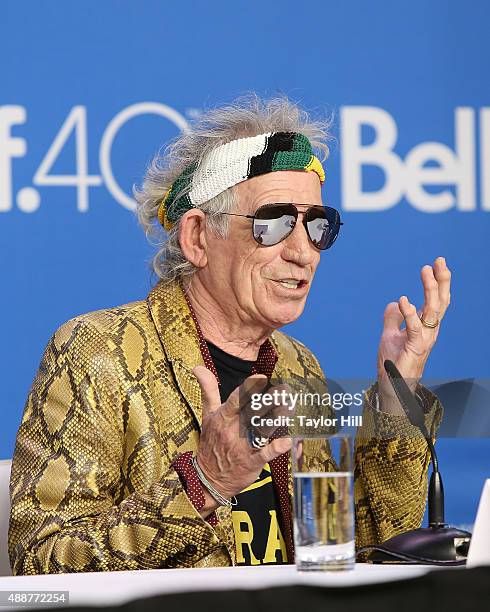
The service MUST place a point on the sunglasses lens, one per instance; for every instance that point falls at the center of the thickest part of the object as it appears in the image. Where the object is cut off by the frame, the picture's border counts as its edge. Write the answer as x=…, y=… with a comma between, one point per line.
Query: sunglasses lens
x=323, y=226
x=274, y=223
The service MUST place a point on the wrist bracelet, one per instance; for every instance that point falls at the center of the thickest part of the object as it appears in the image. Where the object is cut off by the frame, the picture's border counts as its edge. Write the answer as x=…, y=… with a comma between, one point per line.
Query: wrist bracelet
x=222, y=501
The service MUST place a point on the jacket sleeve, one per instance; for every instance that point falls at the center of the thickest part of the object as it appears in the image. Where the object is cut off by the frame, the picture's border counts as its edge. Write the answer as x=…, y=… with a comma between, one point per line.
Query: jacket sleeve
x=70, y=511
x=391, y=465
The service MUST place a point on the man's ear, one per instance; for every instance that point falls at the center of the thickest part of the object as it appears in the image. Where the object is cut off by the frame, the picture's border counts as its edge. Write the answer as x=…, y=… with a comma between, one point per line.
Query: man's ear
x=192, y=237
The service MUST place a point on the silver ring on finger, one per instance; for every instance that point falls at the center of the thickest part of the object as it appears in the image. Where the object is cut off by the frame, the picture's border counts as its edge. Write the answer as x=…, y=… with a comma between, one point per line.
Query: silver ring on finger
x=256, y=441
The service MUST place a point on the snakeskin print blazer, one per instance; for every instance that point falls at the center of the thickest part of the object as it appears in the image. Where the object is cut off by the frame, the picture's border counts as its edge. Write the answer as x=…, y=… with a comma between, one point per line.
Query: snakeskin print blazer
x=113, y=404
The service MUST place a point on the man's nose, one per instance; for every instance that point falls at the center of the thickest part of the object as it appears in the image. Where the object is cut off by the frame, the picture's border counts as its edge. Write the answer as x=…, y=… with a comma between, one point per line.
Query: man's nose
x=298, y=247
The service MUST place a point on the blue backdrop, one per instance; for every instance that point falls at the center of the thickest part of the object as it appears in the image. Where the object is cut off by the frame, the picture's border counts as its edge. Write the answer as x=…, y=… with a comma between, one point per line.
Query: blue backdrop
x=89, y=91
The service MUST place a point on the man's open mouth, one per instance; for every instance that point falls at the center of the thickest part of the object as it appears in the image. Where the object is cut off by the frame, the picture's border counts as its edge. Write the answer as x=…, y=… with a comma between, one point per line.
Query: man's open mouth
x=292, y=283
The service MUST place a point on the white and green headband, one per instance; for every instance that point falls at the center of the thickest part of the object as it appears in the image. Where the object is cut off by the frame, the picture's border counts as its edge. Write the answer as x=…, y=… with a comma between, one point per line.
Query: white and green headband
x=232, y=163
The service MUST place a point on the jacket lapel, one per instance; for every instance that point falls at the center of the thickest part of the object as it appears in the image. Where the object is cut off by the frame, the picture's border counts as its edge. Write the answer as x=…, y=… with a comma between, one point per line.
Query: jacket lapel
x=178, y=334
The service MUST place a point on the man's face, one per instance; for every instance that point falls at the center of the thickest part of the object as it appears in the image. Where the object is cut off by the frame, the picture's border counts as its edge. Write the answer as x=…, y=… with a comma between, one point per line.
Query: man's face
x=249, y=278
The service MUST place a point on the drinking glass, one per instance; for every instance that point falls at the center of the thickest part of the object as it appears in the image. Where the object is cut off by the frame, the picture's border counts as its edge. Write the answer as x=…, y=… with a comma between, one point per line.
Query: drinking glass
x=323, y=502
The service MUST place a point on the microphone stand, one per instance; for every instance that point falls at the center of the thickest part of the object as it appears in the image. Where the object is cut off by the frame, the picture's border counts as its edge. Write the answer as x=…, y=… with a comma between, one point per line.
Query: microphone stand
x=437, y=544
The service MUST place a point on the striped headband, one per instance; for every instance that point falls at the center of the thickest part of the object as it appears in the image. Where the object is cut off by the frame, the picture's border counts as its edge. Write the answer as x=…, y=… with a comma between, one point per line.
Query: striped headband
x=232, y=163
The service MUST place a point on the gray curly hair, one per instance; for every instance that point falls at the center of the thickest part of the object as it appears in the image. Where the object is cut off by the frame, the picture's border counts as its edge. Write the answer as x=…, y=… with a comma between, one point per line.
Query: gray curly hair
x=248, y=115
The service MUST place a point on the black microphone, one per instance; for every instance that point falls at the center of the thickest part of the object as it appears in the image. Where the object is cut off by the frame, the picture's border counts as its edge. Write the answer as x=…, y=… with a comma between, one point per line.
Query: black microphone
x=416, y=416
x=438, y=544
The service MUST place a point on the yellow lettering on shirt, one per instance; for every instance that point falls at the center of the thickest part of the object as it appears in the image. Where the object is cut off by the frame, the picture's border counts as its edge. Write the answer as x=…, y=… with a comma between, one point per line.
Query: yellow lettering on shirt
x=275, y=541
x=260, y=483
x=243, y=538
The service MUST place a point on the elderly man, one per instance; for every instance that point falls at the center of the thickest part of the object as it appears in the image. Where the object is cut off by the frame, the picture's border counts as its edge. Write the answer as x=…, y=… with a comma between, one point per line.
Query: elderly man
x=129, y=454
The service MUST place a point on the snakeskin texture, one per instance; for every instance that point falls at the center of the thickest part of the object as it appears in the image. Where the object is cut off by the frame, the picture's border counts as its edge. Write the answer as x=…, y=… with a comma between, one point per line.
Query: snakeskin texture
x=112, y=405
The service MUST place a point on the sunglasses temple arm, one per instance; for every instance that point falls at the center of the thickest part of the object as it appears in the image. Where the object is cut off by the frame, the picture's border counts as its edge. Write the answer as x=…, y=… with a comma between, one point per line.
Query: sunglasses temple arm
x=236, y=215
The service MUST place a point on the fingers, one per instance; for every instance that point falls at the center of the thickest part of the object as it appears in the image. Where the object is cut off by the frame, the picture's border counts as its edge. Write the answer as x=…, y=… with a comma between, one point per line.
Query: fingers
x=436, y=280
x=240, y=397
x=275, y=448
x=393, y=318
x=442, y=275
x=431, y=310
x=409, y=313
x=266, y=411
x=210, y=397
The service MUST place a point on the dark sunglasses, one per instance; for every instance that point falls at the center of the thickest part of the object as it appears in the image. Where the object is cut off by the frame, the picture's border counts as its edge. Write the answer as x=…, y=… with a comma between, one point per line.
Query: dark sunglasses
x=272, y=223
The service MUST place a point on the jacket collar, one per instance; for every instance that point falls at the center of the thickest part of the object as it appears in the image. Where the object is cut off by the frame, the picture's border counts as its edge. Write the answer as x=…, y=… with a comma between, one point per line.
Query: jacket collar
x=178, y=334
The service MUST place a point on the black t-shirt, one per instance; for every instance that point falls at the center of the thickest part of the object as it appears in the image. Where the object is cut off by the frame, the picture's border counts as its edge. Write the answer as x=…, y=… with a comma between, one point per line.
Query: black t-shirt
x=258, y=536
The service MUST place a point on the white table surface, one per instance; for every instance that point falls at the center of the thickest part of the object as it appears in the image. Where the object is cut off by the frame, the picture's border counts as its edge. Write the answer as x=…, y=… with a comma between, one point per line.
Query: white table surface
x=112, y=588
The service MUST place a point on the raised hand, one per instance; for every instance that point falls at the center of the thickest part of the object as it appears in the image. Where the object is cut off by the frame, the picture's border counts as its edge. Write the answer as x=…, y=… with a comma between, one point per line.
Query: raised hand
x=409, y=347
x=224, y=454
